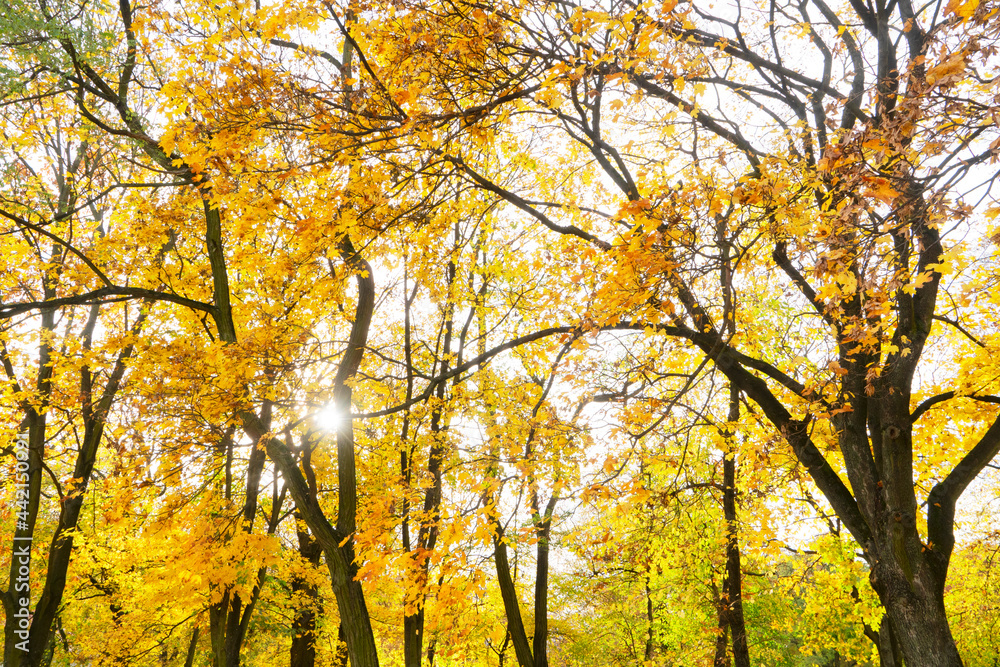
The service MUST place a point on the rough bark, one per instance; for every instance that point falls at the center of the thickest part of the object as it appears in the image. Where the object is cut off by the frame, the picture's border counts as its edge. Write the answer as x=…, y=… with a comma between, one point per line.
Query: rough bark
x=303, y=649
x=888, y=647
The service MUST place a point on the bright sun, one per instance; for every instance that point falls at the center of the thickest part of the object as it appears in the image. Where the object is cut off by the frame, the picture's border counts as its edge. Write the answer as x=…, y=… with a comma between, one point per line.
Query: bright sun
x=328, y=418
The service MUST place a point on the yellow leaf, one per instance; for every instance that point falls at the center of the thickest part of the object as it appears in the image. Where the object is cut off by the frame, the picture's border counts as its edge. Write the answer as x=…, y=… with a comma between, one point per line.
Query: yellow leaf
x=964, y=9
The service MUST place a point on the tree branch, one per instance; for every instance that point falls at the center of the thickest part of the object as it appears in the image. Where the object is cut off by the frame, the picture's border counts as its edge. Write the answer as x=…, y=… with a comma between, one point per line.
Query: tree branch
x=946, y=396
x=102, y=295
x=944, y=496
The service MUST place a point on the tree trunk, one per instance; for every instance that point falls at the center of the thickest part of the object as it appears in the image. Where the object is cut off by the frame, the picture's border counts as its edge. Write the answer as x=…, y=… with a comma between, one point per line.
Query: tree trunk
x=413, y=627
x=888, y=647
x=925, y=638
x=648, y=653
x=192, y=648
x=722, y=638
x=230, y=618
x=335, y=542
x=512, y=608
x=733, y=582
x=303, y=650
x=431, y=650
x=541, y=638
x=881, y=514
x=413, y=623
x=543, y=531
x=908, y=576
x=18, y=622
x=17, y=599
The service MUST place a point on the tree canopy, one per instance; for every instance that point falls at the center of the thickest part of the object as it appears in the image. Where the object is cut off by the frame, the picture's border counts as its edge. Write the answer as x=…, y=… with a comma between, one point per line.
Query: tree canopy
x=483, y=333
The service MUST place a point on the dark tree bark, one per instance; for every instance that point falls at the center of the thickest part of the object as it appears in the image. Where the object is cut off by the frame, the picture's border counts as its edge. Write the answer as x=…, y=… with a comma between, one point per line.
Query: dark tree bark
x=60, y=551
x=888, y=647
x=337, y=542
x=650, y=647
x=722, y=658
x=543, y=531
x=17, y=640
x=412, y=622
x=303, y=650
x=192, y=651
x=733, y=582
x=512, y=607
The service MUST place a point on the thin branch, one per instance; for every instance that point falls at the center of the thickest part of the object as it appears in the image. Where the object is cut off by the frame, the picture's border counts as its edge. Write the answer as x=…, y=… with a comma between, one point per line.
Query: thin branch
x=946, y=396
x=963, y=330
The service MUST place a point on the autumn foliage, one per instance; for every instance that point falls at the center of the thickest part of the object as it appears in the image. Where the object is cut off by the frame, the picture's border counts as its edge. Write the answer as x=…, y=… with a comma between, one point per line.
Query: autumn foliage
x=520, y=332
